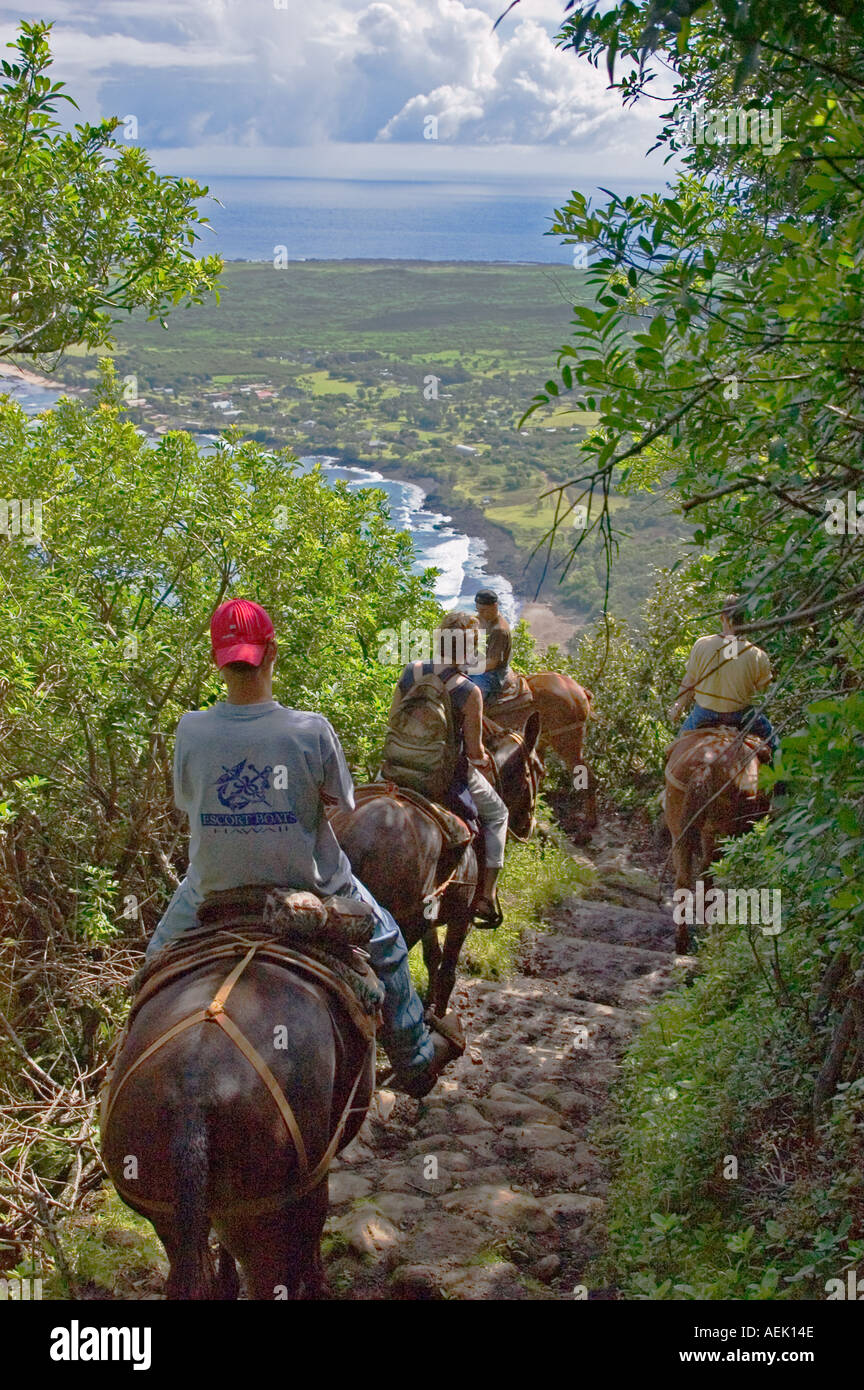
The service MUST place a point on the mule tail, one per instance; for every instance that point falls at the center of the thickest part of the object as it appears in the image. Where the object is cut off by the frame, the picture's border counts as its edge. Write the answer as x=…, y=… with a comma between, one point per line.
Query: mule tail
x=192, y=1273
x=697, y=799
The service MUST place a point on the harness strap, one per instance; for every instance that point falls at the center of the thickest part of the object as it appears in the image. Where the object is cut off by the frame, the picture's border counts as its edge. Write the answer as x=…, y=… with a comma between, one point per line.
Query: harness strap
x=563, y=729
x=254, y=1057
x=215, y=1013
x=221, y=995
x=430, y=904
x=326, y=1158
x=111, y=1097
x=259, y=1206
x=534, y=784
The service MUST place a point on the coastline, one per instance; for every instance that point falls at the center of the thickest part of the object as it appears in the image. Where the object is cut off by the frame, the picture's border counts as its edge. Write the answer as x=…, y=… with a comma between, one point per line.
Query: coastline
x=549, y=622
x=32, y=378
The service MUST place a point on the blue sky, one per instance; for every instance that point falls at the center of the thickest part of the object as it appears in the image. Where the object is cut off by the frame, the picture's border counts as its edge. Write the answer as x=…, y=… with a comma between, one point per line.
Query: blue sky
x=345, y=89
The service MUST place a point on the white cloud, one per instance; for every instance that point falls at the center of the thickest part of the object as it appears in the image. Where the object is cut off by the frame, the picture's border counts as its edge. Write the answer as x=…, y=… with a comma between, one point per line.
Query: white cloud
x=244, y=74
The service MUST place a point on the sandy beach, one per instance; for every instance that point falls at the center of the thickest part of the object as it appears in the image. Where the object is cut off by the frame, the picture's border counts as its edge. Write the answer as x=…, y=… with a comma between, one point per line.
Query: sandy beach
x=32, y=378
x=546, y=626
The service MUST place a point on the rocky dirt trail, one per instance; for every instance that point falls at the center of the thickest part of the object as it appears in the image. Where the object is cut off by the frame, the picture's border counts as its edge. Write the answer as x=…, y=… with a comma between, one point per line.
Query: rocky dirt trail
x=490, y=1187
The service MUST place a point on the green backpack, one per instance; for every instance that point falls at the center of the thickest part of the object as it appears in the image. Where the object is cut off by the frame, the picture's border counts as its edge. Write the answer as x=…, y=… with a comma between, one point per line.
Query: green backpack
x=420, y=747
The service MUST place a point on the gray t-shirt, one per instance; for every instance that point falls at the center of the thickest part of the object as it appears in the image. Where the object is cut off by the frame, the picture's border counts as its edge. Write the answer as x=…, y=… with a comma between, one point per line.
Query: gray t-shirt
x=250, y=779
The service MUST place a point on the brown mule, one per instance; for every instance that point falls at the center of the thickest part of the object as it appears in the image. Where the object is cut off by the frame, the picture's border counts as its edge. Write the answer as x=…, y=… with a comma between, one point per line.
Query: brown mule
x=236, y=1083
x=564, y=709
x=711, y=793
x=404, y=857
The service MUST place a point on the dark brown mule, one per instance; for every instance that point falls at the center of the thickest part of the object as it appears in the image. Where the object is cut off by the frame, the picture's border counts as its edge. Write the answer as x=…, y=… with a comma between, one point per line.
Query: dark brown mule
x=564, y=709
x=196, y=1140
x=711, y=793
x=395, y=849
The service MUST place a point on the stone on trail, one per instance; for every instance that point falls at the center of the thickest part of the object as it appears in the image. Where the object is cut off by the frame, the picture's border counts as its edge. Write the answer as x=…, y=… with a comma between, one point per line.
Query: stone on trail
x=491, y=1174
x=646, y=927
x=368, y=1232
x=488, y=1281
x=347, y=1187
x=533, y=1137
x=570, y=1204
x=433, y=1143
x=382, y=1105
x=550, y=1166
x=400, y=1207
x=450, y=1160
x=455, y=1119
x=516, y=1211
x=575, y=1104
x=355, y=1152
x=448, y=1239
x=508, y=1110
x=547, y=1268
x=403, y=1177
x=456, y=1163
x=483, y=1146
x=416, y=1282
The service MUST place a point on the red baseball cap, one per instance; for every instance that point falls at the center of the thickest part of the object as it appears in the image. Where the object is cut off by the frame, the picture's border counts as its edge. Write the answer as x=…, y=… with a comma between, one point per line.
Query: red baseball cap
x=239, y=631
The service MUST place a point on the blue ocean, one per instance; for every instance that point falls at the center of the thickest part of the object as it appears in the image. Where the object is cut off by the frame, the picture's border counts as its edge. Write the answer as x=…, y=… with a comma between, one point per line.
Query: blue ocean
x=339, y=219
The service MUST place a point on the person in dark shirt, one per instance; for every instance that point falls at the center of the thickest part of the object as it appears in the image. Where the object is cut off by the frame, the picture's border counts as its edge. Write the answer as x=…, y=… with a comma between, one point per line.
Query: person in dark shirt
x=498, y=644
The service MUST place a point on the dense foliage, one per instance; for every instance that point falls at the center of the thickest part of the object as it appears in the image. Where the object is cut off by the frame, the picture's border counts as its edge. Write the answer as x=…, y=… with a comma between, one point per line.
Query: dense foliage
x=104, y=638
x=88, y=230
x=723, y=354
x=106, y=598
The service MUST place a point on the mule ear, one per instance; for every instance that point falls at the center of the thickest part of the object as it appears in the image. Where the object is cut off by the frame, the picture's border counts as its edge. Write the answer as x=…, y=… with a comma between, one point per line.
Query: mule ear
x=531, y=732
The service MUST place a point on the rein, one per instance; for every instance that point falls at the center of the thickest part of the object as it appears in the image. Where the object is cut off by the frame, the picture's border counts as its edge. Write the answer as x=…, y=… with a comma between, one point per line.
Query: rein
x=534, y=782
x=215, y=1013
x=562, y=729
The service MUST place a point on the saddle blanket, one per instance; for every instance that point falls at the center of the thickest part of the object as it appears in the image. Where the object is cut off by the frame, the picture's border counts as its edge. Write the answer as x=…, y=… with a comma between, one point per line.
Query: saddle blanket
x=744, y=768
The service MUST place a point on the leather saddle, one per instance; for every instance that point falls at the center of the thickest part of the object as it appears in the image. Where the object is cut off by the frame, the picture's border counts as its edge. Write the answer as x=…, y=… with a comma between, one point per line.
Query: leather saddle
x=455, y=831
x=457, y=836
x=514, y=697
x=748, y=752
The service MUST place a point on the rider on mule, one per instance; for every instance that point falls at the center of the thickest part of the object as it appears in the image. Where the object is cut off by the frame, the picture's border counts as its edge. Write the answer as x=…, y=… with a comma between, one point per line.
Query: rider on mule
x=498, y=644
x=724, y=674
x=472, y=760
x=254, y=777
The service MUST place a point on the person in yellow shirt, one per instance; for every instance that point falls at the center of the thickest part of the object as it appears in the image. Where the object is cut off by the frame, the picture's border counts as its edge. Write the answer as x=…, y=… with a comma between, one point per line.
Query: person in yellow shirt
x=724, y=674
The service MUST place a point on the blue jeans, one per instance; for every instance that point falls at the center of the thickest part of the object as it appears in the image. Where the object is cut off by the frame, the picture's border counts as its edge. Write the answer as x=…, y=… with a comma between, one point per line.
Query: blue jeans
x=404, y=1031
x=759, y=724
x=489, y=683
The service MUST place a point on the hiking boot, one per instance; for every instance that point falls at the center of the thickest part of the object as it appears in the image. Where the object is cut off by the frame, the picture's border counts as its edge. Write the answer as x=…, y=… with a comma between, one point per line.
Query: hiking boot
x=448, y=1042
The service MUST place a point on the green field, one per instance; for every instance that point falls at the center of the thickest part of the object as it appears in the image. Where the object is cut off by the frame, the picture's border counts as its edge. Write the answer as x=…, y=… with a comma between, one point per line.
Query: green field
x=420, y=368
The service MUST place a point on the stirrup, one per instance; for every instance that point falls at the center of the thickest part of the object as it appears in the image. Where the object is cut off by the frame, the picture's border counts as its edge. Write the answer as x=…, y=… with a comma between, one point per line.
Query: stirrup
x=487, y=921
